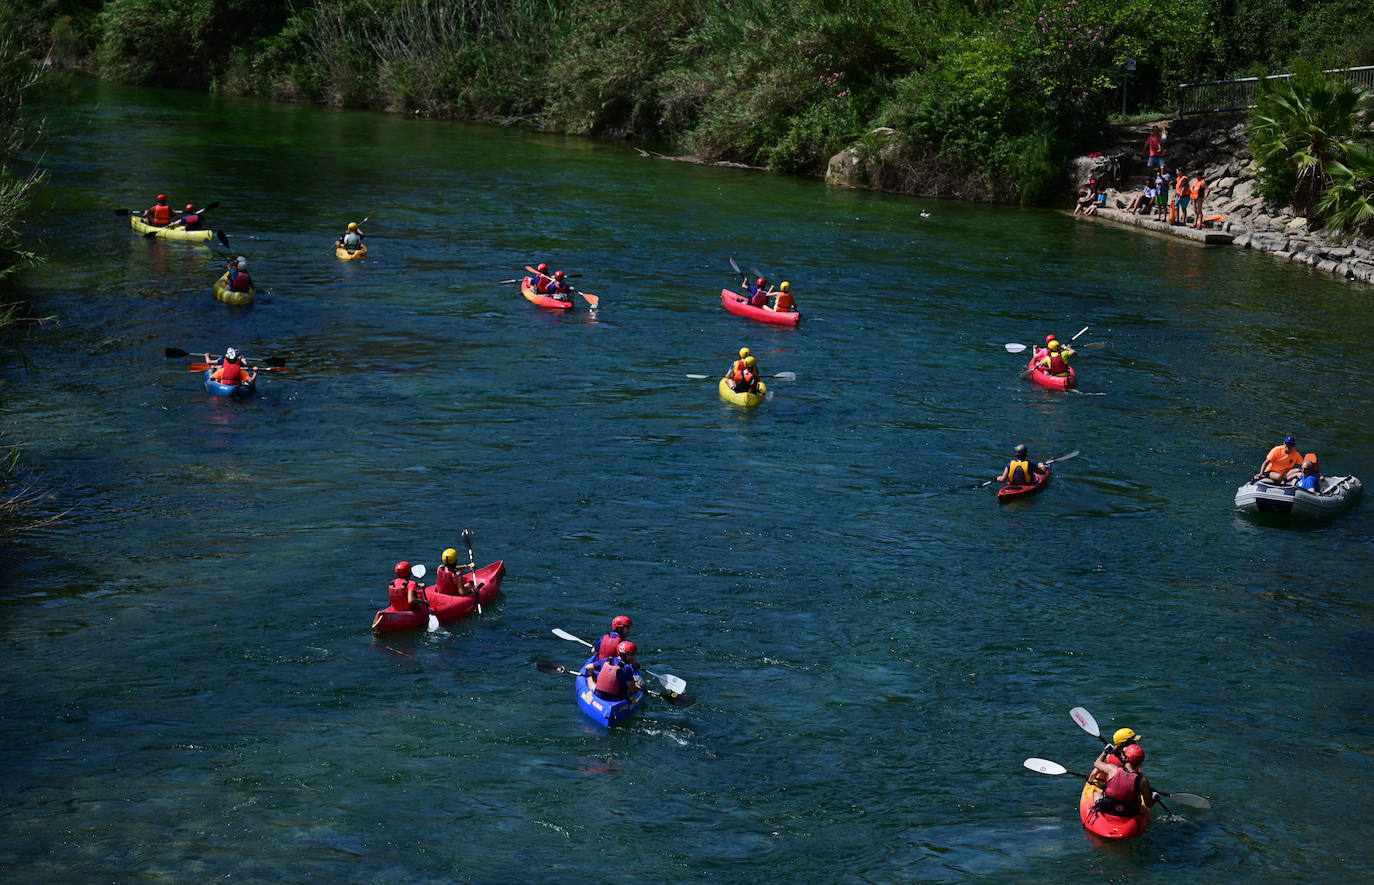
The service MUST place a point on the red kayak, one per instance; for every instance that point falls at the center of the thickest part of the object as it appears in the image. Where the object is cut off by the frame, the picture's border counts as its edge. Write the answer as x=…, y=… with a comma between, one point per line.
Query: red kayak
x=1109, y=826
x=1009, y=491
x=740, y=306
x=527, y=288
x=444, y=607
x=1053, y=382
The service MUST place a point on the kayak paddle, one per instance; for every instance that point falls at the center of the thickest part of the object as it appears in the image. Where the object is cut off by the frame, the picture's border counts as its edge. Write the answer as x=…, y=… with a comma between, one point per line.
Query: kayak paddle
x=472, y=564
x=781, y=376
x=1086, y=722
x=180, y=222
x=1073, y=454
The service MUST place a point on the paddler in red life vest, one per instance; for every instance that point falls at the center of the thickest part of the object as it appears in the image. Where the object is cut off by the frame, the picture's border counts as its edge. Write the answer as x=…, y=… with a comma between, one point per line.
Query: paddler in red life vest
x=239, y=280
x=449, y=576
x=1125, y=786
x=159, y=214
x=784, y=303
x=403, y=593
x=560, y=288
x=232, y=371
x=758, y=293
x=1056, y=359
x=1041, y=352
x=190, y=219
x=1020, y=470
x=616, y=678
x=620, y=631
x=1122, y=738
x=542, y=280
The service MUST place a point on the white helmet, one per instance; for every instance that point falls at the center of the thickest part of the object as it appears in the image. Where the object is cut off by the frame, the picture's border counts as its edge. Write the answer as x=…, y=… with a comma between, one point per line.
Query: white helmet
x=231, y=354
x=242, y=263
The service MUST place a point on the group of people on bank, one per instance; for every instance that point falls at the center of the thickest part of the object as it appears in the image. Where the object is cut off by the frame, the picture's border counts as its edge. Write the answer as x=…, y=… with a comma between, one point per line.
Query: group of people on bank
x=1177, y=199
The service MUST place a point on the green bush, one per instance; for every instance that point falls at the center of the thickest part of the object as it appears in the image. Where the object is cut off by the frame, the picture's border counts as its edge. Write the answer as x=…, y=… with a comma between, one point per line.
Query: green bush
x=156, y=42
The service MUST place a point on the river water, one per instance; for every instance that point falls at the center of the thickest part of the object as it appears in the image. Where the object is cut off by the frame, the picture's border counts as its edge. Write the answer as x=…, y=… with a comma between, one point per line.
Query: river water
x=192, y=692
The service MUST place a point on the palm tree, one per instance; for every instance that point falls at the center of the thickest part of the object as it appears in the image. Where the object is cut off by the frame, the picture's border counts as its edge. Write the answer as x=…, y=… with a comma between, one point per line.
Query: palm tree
x=1348, y=204
x=1299, y=126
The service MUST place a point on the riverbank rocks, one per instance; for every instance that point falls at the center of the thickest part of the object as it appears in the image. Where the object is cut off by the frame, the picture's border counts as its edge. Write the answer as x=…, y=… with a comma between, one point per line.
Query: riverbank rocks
x=865, y=164
x=1218, y=148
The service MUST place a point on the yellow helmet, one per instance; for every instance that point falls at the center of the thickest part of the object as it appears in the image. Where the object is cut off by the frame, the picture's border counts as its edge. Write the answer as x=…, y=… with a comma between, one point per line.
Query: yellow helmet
x=750, y=362
x=450, y=557
x=743, y=352
x=1123, y=735
x=1054, y=345
x=353, y=225
x=786, y=287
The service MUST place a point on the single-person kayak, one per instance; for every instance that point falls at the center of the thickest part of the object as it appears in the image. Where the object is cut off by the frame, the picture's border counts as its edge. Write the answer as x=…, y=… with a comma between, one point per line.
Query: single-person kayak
x=740, y=306
x=1016, y=490
x=1264, y=498
x=349, y=254
x=1053, y=382
x=1109, y=826
x=527, y=289
x=232, y=391
x=745, y=398
x=171, y=233
x=232, y=296
x=444, y=607
x=600, y=710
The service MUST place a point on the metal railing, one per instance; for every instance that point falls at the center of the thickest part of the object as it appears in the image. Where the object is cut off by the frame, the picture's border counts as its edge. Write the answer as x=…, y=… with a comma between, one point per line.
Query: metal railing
x=1220, y=96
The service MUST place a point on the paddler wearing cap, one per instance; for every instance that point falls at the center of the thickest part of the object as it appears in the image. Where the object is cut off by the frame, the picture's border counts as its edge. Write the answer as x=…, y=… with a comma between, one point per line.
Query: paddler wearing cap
x=1283, y=464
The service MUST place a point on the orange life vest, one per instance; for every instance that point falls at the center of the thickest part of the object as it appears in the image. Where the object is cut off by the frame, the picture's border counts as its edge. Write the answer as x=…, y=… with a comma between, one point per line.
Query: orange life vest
x=1181, y=186
x=160, y=215
x=784, y=302
x=1195, y=188
x=1019, y=473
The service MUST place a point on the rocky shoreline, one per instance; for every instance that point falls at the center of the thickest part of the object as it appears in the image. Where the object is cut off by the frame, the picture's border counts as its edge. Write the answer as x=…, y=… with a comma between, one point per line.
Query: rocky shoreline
x=1217, y=147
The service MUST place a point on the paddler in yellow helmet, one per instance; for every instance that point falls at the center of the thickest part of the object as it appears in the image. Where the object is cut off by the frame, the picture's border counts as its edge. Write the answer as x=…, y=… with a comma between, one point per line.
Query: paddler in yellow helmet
x=449, y=576
x=784, y=304
x=352, y=239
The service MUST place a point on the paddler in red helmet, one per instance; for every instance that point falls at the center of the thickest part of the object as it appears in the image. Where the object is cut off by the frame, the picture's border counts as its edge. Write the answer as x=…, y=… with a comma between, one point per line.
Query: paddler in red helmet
x=1124, y=786
x=620, y=631
x=159, y=214
x=403, y=592
x=616, y=678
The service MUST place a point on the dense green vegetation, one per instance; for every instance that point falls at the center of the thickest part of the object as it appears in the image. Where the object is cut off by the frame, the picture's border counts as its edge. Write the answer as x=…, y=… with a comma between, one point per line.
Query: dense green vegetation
x=1311, y=136
x=986, y=98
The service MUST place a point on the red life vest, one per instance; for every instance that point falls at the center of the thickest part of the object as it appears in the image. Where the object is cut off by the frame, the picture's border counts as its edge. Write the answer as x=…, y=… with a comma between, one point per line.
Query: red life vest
x=607, y=646
x=736, y=375
x=1121, y=796
x=240, y=281
x=541, y=285
x=448, y=581
x=1057, y=364
x=160, y=215
x=608, y=679
x=190, y=222
x=230, y=372
x=399, y=593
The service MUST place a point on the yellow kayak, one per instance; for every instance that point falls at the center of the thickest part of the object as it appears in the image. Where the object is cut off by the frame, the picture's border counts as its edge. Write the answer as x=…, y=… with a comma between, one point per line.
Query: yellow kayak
x=171, y=233
x=742, y=399
x=232, y=296
x=349, y=254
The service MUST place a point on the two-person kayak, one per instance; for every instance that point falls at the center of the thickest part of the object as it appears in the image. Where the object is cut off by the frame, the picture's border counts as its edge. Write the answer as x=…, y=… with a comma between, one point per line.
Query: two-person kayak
x=739, y=305
x=446, y=608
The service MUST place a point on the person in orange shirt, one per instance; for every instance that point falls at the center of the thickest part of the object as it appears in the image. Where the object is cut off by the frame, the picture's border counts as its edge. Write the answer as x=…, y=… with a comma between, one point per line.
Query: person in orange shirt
x=1283, y=464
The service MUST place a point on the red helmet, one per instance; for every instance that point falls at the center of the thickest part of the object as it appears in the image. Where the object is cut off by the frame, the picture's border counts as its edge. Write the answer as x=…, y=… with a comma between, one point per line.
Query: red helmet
x=625, y=649
x=190, y=207
x=162, y=198
x=543, y=268
x=558, y=275
x=1049, y=338
x=620, y=623
x=403, y=569
x=761, y=282
x=1133, y=753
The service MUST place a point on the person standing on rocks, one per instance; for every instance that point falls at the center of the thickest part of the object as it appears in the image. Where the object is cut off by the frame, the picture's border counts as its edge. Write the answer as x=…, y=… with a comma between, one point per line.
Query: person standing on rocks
x=1154, y=149
x=1197, y=191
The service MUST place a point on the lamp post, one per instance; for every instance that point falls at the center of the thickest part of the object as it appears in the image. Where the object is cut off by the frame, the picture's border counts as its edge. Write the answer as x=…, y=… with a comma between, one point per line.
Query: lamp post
x=1125, y=75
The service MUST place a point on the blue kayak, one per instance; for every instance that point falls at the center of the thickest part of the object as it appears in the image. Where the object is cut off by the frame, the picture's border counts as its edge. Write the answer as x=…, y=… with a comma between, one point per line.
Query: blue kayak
x=233, y=391
x=602, y=711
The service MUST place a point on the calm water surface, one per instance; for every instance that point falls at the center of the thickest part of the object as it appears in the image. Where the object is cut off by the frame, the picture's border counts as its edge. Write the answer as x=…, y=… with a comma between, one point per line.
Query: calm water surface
x=192, y=692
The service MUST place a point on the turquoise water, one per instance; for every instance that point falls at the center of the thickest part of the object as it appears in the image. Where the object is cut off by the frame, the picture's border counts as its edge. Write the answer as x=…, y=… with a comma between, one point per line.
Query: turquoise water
x=192, y=689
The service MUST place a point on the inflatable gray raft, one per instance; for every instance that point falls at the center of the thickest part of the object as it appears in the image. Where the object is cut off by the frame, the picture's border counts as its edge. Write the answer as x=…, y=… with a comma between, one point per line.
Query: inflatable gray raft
x=1338, y=493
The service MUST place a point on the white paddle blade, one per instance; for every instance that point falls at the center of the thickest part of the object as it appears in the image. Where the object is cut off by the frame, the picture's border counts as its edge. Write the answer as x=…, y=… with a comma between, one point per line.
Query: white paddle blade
x=1190, y=800
x=1014, y=348
x=564, y=634
x=674, y=684
x=1085, y=719
x=786, y=376
x=699, y=377
x=433, y=623
x=417, y=570
x=1045, y=766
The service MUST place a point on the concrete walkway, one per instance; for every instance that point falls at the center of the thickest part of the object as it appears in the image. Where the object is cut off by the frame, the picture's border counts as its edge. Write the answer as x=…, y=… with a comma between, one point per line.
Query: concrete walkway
x=1208, y=236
